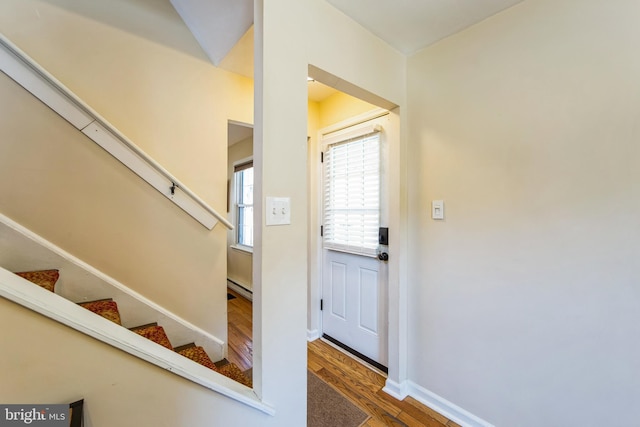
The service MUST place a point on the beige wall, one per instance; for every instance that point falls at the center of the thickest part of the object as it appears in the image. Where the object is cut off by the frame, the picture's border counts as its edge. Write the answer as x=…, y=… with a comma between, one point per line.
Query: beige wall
x=135, y=63
x=239, y=262
x=524, y=300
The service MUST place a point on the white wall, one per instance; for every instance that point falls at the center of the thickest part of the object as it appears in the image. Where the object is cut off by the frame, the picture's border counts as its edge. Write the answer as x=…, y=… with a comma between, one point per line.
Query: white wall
x=524, y=301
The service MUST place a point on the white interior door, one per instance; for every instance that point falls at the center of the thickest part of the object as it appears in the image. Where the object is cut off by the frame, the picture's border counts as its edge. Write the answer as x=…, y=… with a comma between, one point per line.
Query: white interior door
x=354, y=279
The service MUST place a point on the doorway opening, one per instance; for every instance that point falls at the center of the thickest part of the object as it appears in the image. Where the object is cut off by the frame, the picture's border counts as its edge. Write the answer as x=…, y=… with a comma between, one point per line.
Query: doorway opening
x=240, y=244
x=349, y=217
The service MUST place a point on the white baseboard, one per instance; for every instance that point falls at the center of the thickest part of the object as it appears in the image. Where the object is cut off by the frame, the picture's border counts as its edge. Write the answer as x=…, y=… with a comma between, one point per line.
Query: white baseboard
x=396, y=390
x=444, y=407
x=313, y=335
x=239, y=289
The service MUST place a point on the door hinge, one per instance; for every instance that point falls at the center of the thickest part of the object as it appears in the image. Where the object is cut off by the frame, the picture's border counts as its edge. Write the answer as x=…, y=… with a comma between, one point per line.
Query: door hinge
x=322, y=231
x=321, y=304
x=322, y=157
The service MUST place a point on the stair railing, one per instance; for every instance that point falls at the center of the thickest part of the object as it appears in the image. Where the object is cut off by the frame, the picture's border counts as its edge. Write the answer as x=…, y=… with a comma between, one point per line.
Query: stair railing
x=34, y=78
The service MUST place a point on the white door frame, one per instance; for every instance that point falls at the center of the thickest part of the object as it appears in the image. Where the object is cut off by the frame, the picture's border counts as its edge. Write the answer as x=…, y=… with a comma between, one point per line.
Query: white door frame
x=397, y=300
x=372, y=350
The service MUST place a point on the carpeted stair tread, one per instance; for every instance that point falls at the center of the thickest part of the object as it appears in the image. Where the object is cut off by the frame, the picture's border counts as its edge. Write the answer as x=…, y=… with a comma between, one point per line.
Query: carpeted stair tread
x=105, y=308
x=198, y=355
x=155, y=333
x=44, y=278
x=235, y=373
x=230, y=370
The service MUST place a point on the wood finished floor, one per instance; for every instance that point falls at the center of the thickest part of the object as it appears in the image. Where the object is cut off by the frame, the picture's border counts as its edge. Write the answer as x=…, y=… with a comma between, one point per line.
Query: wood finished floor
x=239, y=315
x=361, y=385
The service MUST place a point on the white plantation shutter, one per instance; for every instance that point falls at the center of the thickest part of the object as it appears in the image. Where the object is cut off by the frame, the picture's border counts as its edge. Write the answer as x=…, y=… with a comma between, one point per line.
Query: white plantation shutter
x=352, y=195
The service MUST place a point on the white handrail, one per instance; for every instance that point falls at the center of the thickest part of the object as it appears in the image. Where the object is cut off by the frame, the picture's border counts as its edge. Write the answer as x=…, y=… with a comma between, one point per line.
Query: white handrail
x=81, y=115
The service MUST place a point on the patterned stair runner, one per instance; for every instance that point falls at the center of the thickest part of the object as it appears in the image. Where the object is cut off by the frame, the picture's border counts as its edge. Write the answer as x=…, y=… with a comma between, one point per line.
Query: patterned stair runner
x=230, y=370
x=155, y=333
x=235, y=373
x=198, y=355
x=106, y=308
x=43, y=278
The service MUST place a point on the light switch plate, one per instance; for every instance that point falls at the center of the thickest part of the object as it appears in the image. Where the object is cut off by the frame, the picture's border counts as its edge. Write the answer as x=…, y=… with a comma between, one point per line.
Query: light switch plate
x=437, y=209
x=278, y=211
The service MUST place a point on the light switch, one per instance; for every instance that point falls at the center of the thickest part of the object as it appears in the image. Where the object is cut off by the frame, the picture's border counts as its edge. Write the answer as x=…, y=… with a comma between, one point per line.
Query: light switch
x=278, y=211
x=437, y=209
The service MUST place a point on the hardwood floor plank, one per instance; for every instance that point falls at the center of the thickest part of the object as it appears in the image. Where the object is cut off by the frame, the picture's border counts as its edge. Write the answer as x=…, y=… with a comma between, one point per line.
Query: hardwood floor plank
x=340, y=361
x=373, y=422
x=421, y=421
x=418, y=412
x=240, y=331
x=425, y=409
x=313, y=366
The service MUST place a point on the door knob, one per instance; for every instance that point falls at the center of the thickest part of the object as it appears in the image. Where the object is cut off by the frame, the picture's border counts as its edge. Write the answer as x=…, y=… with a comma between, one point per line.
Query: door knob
x=383, y=256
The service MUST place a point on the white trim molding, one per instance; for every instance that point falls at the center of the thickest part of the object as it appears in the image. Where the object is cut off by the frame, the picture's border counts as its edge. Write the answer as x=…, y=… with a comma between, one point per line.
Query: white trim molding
x=397, y=390
x=313, y=335
x=240, y=288
x=443, y=406
x=34, y=78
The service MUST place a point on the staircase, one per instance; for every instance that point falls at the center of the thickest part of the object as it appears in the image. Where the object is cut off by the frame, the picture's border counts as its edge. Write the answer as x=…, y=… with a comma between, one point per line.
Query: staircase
x=108, y=309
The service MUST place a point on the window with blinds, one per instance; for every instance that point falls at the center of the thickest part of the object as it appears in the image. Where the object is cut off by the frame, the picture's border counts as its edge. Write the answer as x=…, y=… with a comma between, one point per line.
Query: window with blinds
x=352, y=195
x=244, y=203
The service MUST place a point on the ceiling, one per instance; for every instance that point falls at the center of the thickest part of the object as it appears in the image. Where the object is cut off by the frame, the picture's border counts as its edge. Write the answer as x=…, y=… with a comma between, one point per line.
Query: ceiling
x=237, y=132
x=216, y=24
x=319, y=92
x=410, y=25
x=224, y=28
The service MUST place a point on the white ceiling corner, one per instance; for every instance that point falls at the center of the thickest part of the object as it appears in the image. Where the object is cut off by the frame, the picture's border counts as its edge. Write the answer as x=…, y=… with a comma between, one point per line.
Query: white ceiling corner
x=410, y=25
x=237, y=132
x=217, y=25
x=240, y=59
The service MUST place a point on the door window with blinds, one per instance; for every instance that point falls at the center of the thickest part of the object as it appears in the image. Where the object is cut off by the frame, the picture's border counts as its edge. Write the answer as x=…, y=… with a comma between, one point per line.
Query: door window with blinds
x=352, y=193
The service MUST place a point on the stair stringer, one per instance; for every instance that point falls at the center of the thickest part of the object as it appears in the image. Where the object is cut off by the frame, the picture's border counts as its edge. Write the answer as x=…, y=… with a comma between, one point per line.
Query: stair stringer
x=23, y=250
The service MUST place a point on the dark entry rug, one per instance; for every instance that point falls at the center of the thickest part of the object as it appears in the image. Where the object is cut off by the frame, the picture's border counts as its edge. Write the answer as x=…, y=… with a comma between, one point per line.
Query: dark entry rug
x=328, y=408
